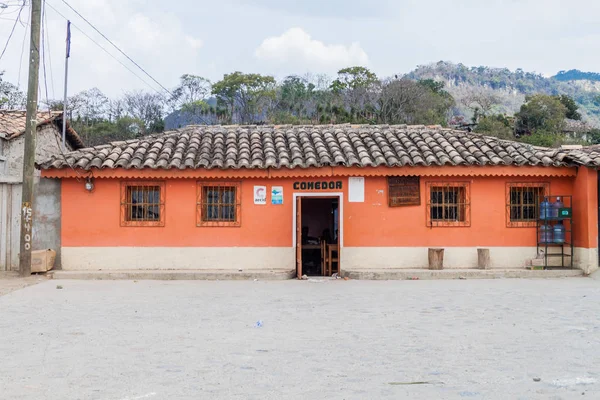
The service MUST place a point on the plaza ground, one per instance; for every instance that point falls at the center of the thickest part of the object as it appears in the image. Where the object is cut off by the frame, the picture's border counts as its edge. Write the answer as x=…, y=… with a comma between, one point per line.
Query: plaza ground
x=332, y=339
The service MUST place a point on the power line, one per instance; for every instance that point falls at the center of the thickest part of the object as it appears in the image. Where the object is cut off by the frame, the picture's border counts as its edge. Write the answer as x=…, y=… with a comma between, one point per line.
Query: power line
x=22, y=51
x=116, y=47
x=106, y=51
x=44, y=28
x=13, y=29
x=45, y=22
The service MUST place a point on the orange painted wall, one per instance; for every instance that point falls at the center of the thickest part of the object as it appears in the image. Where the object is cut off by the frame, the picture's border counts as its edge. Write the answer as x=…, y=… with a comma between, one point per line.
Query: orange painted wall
x=92, y=219
x=406, y=226
x=585, y=210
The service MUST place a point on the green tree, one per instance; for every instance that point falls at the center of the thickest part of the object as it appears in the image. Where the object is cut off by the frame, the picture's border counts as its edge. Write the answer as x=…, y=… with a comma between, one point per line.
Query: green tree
x=495, y=125
x=246, y=98
x=356, y=89
x=571, y=106
x=541, y=114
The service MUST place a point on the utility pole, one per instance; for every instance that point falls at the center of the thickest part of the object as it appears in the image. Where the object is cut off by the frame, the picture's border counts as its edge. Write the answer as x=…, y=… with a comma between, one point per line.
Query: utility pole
x=30, y=134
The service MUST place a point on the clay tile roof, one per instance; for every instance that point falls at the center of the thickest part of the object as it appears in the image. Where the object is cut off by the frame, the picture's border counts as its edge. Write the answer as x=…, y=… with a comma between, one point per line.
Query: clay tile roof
x=287, y=146
x=12, y=125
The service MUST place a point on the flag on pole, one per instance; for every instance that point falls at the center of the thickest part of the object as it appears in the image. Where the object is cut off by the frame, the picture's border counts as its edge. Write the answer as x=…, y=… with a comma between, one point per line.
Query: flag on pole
x=68, y=38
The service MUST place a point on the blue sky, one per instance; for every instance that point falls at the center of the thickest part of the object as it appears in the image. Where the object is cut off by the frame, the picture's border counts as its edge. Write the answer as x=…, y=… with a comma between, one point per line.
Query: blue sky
x=279, y=37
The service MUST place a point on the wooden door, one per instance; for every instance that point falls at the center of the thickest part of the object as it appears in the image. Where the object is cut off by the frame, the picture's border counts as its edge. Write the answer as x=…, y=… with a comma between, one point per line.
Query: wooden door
x=299, y=237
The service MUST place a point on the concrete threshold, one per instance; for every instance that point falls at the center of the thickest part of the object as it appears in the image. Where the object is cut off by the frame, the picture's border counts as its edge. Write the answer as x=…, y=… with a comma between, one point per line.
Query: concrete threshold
x=422, y=274
x=173, y=275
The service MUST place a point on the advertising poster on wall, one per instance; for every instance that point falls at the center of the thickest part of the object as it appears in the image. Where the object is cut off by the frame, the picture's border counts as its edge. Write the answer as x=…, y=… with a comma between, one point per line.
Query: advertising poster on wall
x=277, y=194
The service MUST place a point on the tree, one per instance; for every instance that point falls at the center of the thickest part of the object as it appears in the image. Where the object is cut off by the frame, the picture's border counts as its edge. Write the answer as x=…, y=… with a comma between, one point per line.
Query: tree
x=541, y=114
x=191, y=89
x=146, y=107
x=481, y=102
x=358, y=89
x=495, y=125
x=404, y=101
x=293, y=100
x=245, y=98
x=11, y=98
x=571, y=106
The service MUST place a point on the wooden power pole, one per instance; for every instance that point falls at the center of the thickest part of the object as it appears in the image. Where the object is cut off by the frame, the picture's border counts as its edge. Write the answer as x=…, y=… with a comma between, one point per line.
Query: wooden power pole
x=30, y=134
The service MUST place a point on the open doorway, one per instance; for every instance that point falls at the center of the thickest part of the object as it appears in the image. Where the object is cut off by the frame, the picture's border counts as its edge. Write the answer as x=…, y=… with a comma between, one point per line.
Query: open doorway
x=318, y=239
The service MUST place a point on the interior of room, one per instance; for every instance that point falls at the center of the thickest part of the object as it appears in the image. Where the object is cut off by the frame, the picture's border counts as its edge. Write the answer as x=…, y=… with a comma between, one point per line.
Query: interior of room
x=320, y=236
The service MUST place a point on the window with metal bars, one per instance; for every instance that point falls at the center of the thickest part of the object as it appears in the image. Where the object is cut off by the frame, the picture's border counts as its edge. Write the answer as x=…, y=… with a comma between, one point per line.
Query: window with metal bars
x=448, y=204
x=523, y=203
x=218, y=204
x=142, y=203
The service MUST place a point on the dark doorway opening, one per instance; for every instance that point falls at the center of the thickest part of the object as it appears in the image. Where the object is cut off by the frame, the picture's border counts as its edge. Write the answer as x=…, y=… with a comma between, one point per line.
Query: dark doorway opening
x=319, y=236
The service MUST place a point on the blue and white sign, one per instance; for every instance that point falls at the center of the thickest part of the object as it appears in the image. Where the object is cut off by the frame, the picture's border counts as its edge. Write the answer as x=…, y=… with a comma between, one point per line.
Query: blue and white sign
x=277, y=195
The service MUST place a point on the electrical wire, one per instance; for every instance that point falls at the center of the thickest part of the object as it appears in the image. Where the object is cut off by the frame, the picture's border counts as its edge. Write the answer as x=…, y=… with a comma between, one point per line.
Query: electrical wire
x=107, y=52
x=13, y=29
x=116, y=47
x=44, y=28
x=23, y=50
x=48, y=48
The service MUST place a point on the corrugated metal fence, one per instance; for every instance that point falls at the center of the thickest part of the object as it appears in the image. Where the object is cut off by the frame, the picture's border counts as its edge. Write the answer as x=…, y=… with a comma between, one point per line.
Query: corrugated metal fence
x=10, y=200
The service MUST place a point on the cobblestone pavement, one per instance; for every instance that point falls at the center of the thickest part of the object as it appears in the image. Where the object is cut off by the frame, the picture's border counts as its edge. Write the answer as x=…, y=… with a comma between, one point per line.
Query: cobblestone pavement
x=475, y=339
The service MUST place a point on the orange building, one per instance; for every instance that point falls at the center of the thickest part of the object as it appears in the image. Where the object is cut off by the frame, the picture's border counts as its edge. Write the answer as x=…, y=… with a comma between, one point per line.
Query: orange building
x=285, y=198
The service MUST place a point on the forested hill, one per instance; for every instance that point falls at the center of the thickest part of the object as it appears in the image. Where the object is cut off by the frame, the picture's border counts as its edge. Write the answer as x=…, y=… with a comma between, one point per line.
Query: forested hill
x=509, y=88
x=576, y=75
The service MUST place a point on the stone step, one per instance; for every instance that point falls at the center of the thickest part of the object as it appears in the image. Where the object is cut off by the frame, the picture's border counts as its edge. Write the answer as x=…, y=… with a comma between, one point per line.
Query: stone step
x=173, y=275
x=404, y=274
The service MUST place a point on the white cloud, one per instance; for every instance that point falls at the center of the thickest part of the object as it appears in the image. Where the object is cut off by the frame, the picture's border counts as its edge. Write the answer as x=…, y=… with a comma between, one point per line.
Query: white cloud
x=297, y=49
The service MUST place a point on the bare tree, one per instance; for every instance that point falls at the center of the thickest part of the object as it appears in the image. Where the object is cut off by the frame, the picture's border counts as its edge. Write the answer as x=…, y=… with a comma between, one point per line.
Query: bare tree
x=480, y=101
x=147, y=107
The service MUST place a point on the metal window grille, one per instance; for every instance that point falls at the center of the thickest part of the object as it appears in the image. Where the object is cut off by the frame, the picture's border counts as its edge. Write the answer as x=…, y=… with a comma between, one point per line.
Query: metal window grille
x=523, y=200
x=218, y=205
x=448, y=204
x=142, y=204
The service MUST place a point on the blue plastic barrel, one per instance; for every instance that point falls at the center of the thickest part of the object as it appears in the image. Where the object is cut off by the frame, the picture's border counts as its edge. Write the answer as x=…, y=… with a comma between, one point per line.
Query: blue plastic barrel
x=546, y=234
x=545, y=209
x=559, y=232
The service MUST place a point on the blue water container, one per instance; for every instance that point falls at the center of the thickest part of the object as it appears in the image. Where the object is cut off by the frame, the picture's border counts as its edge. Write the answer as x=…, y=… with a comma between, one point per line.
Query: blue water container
x=556, y=206
x=559, y=233
x=546, y=234
x=545, y=209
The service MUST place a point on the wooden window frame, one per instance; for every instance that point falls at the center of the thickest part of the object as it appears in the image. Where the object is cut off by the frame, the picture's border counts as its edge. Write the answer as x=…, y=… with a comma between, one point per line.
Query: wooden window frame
x=124, y=203
x=200, y=185
x=466, y=186
x=397, y=197
x=523, y=223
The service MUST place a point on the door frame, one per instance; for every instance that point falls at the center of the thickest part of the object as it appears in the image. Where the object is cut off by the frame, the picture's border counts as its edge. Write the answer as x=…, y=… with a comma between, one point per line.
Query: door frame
x=340, y=197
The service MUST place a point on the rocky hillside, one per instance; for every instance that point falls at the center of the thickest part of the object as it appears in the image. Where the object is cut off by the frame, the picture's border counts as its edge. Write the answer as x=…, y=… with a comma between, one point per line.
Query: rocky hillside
x=507, y=89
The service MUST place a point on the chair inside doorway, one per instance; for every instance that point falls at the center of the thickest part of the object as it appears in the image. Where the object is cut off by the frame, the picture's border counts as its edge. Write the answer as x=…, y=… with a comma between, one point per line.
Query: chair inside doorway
x=320, y=239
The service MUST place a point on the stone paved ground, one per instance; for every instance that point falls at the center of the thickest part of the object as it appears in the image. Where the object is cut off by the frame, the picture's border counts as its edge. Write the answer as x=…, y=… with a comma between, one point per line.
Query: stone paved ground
x=475, y=339
x=11, y=281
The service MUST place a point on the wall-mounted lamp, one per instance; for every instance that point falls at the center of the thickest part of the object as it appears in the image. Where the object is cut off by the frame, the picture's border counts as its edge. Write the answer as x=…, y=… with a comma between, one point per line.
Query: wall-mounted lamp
x=89, y=184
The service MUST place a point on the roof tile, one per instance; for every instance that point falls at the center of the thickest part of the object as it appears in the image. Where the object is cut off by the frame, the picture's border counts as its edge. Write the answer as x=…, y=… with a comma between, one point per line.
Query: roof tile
x=233, y=147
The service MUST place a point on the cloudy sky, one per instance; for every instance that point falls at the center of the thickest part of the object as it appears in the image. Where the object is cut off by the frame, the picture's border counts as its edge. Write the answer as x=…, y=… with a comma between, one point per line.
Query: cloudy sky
x=281, y=37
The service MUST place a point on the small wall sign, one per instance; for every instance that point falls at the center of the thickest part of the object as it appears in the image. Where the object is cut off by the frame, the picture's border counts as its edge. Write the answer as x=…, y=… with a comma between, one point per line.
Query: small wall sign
x=260, y=195
x=277, y=195
x=318, y=185
x=356, y=189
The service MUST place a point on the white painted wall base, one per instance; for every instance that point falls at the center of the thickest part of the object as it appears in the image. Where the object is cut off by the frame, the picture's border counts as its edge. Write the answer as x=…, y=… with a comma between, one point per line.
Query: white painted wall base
x=586, y=259
x=282, y=258
x=225, y=258
x=360, y=258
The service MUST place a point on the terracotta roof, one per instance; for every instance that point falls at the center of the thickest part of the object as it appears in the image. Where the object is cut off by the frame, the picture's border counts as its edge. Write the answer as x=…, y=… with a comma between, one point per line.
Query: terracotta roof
x=315, y=146
x=12, y=125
